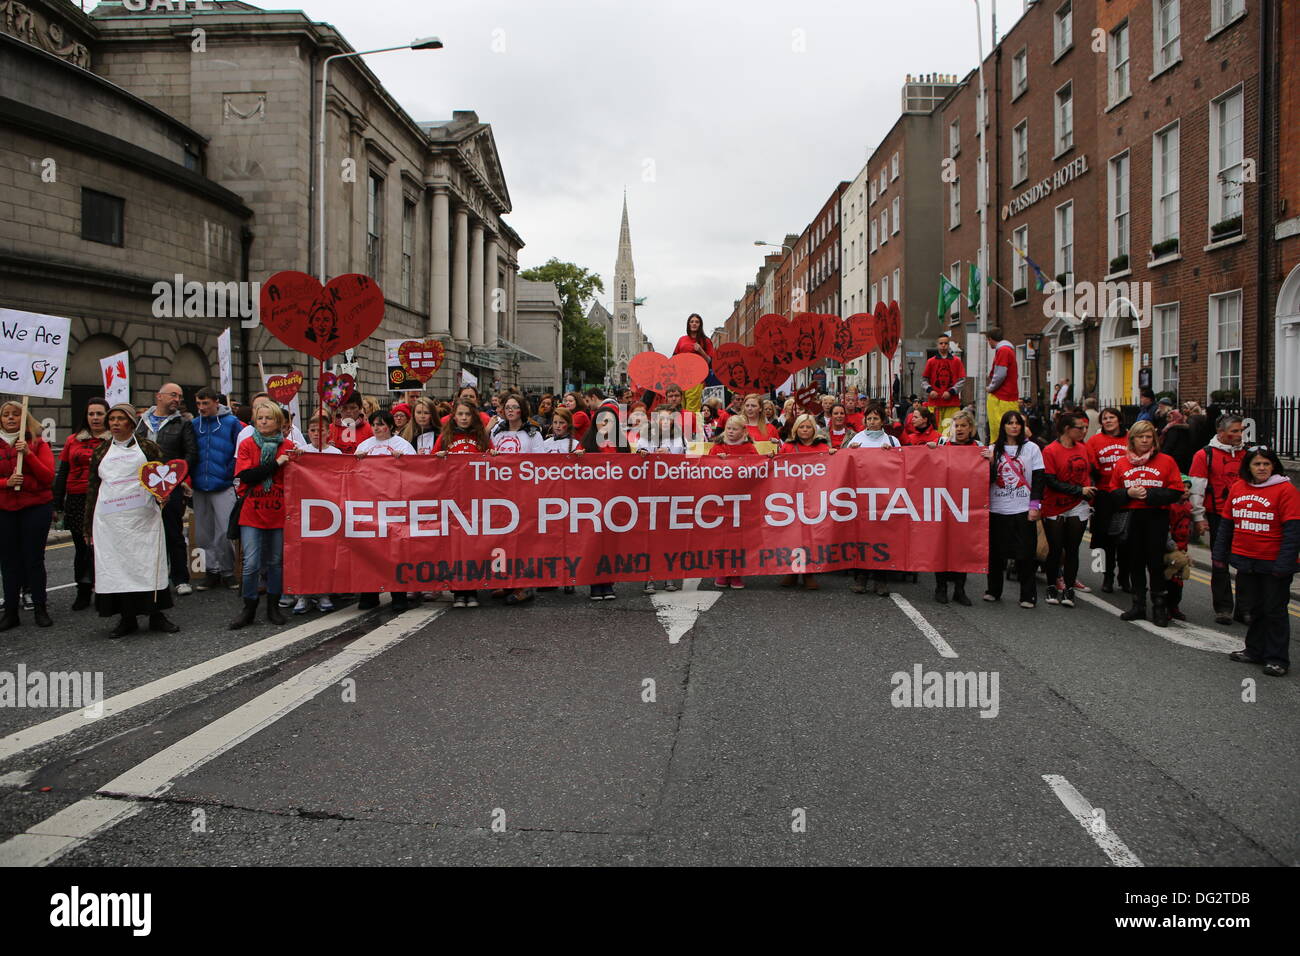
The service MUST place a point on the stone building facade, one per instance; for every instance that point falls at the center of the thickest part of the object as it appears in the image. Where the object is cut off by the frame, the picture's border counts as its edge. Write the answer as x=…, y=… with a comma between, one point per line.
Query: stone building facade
x=541, y=334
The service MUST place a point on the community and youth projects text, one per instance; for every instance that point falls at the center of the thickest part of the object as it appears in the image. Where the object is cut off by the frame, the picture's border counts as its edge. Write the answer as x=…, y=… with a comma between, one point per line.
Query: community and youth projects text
x=418, y=523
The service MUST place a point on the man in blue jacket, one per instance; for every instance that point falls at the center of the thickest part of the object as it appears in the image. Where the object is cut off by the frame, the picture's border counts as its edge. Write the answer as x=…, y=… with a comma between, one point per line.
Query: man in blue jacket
x=215, y=430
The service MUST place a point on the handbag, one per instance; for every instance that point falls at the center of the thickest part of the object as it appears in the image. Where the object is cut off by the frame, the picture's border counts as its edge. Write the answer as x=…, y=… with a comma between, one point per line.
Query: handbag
x=232, y=526
x=1119, y=524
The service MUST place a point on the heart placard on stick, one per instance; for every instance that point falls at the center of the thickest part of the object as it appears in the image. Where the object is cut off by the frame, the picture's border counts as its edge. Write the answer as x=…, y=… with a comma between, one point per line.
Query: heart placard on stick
x=889, y=330
x=855, y=336
x=160, y=478
x=335, y=389
x=321, y=321
x=284, y=387
x=421, y=359
x=653, y=372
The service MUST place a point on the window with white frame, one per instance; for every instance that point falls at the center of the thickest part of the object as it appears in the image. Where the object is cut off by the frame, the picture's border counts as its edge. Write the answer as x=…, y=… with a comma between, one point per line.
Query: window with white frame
x=1225, y=338
x=1065, y=241
x=884, y=181
x=954, y=137
x=1166, y=34
x=1165, y=339
x=873, y=191
x=408, y=248
x=893, y=167
x=873, y=235
x=884, y=287
x=1063, y=29
x=1064, y=117
x=954, y=275
x=954, y=203
x=1225, y=158
x=1020, y=152
x=1117, y=49
x=894, y=210
x=1164, y=184
x=1020, y=72
x=1020, y=239
x=860, y=247
x=1117, y=182
x=1022, y=368
x=884, y=226
x=374, y=224
x=871, y=303
x=1223, y=12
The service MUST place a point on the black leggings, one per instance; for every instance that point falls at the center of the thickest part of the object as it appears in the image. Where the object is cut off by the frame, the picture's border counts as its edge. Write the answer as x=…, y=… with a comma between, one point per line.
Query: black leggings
x=1148, y=531
x=1013, y=536
x=23, y=535
x=1063, y=537
x=83, y=559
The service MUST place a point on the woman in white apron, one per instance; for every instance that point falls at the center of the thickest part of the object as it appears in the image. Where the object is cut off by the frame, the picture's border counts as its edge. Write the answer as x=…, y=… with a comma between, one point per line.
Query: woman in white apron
x=124, y=524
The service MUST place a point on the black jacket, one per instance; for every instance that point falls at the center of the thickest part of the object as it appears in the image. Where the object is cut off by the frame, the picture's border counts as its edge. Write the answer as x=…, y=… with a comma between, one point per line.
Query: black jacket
x=175, y=440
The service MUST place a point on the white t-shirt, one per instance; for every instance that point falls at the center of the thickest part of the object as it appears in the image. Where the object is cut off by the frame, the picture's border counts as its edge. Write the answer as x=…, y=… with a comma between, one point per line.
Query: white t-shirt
x=560, y=446
x=295, y=437
x=373, y=446
x=518, y=442
x=670, y=446
x=327, y=450
x=863, y=440
x=424, y=442
x=1016, y=469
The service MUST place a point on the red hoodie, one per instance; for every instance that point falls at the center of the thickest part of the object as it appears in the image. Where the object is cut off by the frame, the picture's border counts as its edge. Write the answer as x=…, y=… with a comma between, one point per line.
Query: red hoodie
x=38, y=475
x=76, y=452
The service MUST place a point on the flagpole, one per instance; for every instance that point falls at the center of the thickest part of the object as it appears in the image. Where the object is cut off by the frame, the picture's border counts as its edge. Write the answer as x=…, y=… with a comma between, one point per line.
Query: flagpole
x=980, y=350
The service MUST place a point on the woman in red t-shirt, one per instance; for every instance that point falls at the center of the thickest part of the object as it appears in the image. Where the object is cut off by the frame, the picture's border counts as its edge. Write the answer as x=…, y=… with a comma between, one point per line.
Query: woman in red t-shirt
x=1107, y=447
x=920, y=428
x=604, y=437
x=695, y=342
x=259, y=468
x=734, y=440
x=463, y=433
x=1143, y=484
x=838, y=430
x=805, y=440
x=581, y=420
x=1261, y=539
x=1067, y=503
x=759, y=428
x=70, y=486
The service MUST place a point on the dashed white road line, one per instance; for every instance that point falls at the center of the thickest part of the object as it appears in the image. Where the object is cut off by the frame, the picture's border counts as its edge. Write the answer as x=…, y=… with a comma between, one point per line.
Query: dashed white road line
x=78, y=719
x=924, y=626
x=69, y=828
x=1093, y=821
x=1178, y=632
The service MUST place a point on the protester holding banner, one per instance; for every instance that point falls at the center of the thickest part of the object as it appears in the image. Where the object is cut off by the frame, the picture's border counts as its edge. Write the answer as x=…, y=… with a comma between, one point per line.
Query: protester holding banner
x=873, y=435
x=166, y=425
x=124, y=526
x=26, y=510
x=581, y=420
x=1260, y=537
x=1068, y=465
x=561, y=439
x=350, y=428
x=603, y=438
x=216, y=436
x=70, y=493
x=838, y=430
x=751, y=413
x=422, y=430
x=1107, y=447
x=1143, y=484
x=383, y=440
x=259, y=465
x=463, y=433
x=1015, y=500
x=1003, y=386
x=515, y=434
x=961, y=431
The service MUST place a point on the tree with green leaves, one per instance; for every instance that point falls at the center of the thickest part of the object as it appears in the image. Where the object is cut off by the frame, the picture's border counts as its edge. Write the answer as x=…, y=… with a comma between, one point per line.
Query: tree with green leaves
x=584, y=343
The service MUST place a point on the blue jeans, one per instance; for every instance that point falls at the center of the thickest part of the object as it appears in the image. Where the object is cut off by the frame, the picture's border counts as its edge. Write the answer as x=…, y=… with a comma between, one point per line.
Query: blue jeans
x=263, y=548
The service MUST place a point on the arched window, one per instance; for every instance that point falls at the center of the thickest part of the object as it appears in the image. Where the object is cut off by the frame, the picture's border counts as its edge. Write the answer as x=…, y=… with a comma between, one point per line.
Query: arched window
x=1064, y=337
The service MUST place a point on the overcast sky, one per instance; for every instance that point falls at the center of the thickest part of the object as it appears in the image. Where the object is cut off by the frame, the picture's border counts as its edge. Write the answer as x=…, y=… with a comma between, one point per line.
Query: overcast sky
x=720, y=129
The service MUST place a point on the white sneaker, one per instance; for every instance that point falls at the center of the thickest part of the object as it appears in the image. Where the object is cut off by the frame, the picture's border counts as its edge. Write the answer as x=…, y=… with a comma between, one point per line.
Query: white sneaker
x=649, y=587
x=286, y=600
x=459, y=602
x=671, y=587
x=324, y=604
x=183, y=588
x=301, y=606
x=471, y=602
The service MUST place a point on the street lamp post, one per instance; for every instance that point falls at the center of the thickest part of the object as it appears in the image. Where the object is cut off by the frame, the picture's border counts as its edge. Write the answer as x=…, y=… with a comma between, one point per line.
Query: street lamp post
x=427, y=43
x=980, y=348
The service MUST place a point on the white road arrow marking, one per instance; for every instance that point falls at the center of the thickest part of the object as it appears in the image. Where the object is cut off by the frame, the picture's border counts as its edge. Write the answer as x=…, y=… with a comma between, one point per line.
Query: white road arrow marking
x=1178, y=632
x=677, y=611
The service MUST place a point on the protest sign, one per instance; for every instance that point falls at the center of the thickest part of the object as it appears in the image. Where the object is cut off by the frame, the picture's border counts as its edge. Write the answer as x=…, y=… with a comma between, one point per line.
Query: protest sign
x=33, y=353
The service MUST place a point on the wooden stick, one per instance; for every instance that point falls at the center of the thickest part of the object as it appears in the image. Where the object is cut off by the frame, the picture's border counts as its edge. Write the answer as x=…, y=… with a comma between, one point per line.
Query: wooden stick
x=22, y=432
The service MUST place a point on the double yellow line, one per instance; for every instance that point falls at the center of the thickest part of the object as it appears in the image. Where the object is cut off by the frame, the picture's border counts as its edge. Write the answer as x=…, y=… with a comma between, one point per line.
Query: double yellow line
x=1198, y=575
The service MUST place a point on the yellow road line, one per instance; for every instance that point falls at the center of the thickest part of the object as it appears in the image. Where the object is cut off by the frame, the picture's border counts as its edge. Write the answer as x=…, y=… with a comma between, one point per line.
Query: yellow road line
x=55, y=547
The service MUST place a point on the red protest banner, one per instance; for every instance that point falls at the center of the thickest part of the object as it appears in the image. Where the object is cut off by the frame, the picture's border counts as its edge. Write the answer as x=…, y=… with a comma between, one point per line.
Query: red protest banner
x=418, y=523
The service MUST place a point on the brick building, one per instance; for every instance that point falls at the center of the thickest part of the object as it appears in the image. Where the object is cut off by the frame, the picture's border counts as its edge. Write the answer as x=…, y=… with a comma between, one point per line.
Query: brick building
x=1283, y=82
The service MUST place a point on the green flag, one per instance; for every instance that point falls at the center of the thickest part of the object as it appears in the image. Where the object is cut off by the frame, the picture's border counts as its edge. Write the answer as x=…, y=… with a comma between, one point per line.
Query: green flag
x=948, y=294
x=973, y=288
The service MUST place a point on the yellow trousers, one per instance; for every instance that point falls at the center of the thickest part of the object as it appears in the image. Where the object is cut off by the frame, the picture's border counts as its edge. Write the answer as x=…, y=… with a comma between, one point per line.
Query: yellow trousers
x=997, y=408
x=943, y=413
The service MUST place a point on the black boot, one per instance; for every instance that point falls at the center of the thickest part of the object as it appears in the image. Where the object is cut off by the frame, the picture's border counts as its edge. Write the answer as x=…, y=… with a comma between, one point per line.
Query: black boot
x=273, y=609
x=10, y=619
x=82, y=602
x=247, y=616
x=1138, y=612
x=1159, y=610
x=158, y=622
x=125, y=626
x=941, y=592
x=959, y=594
x=42, y=616
x=1108, y=582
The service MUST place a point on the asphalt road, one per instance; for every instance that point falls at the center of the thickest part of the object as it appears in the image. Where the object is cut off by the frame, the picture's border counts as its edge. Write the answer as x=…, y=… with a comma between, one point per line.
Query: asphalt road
x=770, y=735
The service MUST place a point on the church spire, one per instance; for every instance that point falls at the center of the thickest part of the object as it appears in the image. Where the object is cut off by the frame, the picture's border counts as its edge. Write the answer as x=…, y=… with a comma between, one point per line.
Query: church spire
x=624, y=263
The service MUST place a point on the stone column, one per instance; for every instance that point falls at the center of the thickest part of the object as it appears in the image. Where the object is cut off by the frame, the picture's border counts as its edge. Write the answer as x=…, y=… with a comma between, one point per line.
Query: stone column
x=460, y=281
x=492, y=299
x=476, y=284
x=440, y=265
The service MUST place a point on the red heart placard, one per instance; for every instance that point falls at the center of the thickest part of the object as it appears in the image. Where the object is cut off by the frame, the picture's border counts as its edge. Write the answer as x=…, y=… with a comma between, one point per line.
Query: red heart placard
x=334, y=389
x=421, y=359
x=160, y=479
x=283, y=388
x=889, y=332
x=730, y=367
x=321, y=321
x=855, y=336
x=806, y=399
x=650, y=371
x=775, y=339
